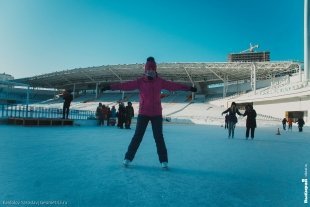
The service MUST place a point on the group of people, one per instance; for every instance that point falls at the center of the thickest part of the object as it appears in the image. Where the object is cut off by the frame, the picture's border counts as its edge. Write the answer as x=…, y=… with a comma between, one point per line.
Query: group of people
x=124, y=115
x=105, y=113
x=300, y=122
x=231, y=120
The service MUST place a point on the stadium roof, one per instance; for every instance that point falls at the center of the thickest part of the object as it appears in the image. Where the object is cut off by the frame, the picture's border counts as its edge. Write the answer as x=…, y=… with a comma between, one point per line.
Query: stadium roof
x=210, y=73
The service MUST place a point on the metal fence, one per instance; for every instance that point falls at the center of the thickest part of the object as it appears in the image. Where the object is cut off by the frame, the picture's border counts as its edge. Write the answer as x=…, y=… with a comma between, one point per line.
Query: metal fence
x=22, y=111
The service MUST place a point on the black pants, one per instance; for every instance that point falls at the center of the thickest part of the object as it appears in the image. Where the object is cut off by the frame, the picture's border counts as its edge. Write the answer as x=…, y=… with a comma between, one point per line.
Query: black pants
x=157, y=127
x=248, y=131
x=127, y=123
x=226, y=124
x=231, y=129
x=120, y=122
x=101, y=121
x=65, y=111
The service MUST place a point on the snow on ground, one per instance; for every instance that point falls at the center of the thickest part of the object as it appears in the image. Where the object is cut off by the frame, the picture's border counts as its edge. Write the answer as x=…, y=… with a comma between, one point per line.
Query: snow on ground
x=81, y=166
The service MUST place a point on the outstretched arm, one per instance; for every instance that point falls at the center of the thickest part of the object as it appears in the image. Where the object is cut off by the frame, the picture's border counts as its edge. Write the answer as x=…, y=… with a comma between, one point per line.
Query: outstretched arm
x=126, y=86
x=224, y=112
x=238, y=112
x=172, y=86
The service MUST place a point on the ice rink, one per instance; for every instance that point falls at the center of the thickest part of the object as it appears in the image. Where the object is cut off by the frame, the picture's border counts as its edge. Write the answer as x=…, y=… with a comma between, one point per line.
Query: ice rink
x=82, y=166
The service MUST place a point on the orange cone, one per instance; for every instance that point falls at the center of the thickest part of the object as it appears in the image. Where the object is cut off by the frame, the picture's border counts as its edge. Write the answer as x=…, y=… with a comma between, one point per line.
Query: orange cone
x=278, y=133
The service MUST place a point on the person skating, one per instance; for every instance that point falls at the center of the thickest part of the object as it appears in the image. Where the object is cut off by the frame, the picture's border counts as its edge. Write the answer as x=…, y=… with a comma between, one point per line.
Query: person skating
x=108, y=115
x=226, y=121
x=284, y=123
x=68, y=97
x=290, y=124
x=99, y=115
x=150, y=109
x=232, y=118
x=250, y=121
x=105, y=113
x=300, y=123
x=112, y=119
x=121, y=115
x=129, y=115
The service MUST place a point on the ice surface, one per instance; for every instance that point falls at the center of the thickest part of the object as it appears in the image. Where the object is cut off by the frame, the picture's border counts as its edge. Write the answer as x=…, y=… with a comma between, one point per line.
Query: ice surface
x=82, y=166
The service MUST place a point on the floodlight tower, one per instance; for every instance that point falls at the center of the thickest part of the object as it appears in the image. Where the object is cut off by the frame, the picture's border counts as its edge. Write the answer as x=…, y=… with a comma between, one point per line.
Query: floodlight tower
x=306, y=41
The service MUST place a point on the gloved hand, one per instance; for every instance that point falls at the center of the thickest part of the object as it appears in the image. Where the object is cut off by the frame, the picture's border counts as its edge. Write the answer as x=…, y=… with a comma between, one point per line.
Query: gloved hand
x=193, y=89
x=105, y=88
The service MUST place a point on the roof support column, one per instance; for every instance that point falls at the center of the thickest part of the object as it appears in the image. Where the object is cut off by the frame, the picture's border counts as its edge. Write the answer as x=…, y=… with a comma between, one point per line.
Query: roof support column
x=190, y=78
x=73, y=91
x=27, y=101
x=96, y=96
x=225, y=81
x=225, y=85
x=253, y=78
x=300, y=73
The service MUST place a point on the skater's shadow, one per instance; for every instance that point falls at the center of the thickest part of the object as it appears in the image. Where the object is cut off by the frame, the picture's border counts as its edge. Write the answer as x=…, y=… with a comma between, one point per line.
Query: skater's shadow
x=179, y=173
x=175, y=170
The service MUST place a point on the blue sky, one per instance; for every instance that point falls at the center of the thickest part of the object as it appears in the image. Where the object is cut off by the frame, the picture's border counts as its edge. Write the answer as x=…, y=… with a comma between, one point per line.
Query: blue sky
x=41, y=36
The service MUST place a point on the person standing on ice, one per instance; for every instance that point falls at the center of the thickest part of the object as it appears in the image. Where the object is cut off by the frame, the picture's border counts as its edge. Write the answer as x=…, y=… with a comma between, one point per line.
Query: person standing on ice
x=232, y=119
x=290, y=124
x=250, y=120
x=68, y=97
x=99, y=115
x=150, y=109
x=226, y=121
x=300, y=123
x=129, y=115
x=284, y=123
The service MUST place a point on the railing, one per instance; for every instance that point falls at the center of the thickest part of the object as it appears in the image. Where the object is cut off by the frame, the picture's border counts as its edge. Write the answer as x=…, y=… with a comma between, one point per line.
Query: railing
x=21, y=111
x=283, y=88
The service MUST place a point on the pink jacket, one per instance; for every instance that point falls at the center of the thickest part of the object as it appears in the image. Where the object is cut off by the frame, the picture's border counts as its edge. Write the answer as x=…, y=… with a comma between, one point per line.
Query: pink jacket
x=150, y=90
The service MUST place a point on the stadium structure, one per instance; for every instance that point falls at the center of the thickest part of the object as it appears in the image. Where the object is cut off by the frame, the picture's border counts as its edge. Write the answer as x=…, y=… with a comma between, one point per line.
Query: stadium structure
x=276, y=89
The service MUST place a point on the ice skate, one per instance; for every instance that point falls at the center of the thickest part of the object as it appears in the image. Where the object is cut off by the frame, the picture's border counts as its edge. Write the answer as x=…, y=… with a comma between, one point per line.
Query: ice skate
x=126, y=163
x=164, y=165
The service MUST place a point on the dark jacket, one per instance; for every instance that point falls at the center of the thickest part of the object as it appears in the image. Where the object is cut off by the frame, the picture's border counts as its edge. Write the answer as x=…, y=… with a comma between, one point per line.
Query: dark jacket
x=129, y=112
x=251, y=118
x=99, y=113
x=300, y=122
x=68, y=97
x=121, y=114
x=232, y=114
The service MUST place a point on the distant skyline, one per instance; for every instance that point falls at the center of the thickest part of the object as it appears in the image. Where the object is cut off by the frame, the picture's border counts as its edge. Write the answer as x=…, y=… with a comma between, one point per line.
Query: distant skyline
x=43, y=36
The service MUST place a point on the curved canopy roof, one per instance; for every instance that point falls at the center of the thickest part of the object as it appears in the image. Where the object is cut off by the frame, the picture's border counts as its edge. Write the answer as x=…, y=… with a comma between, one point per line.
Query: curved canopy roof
x=210, y=73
